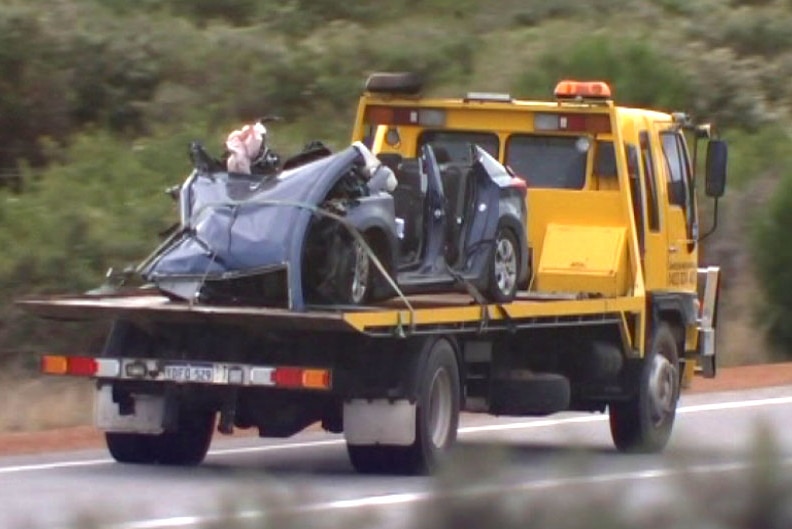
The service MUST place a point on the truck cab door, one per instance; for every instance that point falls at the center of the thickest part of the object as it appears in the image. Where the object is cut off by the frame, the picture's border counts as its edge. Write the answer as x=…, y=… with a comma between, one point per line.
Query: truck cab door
x=681, y=214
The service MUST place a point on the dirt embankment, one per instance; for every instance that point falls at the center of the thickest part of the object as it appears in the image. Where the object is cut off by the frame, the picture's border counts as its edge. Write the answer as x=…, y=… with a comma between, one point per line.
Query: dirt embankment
x=85, y=437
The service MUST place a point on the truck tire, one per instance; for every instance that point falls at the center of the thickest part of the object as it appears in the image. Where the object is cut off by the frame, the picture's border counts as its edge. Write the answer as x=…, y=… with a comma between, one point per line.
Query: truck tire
x=437, y=418
x=186, y=446
x=504, y=268
x=643, y=424
x=133, y=448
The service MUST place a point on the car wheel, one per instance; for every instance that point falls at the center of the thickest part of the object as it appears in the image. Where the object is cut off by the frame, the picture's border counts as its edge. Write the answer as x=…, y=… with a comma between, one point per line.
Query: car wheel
x=351, y=271
x=338, y=269
x=361, y=273
x=643, y=423
x=504, y=267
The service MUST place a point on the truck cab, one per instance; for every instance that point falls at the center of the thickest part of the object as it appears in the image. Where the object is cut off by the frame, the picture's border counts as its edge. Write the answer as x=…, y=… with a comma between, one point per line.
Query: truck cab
x=612, y=194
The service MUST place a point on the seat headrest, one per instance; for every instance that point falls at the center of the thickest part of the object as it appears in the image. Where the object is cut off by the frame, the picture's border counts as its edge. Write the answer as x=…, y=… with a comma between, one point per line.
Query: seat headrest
x=390, y=159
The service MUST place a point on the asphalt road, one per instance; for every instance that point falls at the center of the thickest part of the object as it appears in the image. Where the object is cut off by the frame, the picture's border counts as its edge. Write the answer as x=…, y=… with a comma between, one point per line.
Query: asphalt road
x=308, y=481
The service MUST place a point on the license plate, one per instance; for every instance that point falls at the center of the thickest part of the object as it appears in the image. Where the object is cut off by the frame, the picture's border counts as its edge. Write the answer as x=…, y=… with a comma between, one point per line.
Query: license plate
x=189, y=373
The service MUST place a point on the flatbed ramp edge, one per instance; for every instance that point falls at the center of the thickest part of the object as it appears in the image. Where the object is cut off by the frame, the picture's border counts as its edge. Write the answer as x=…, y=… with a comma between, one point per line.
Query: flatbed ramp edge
x=428, y=314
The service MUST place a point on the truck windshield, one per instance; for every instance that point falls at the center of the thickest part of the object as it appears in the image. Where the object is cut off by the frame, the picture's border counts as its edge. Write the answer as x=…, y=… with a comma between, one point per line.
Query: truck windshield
x=547, y=161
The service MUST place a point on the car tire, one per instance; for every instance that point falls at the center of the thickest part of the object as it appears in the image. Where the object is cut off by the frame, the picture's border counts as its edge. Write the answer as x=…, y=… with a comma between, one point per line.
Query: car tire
x=353, y=271
x=504, y=267
x=437, y=419
x=643, y=424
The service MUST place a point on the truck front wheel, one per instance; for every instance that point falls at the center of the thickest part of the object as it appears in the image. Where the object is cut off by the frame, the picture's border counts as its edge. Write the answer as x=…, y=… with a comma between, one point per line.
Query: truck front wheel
x=436, y=421
x=186, y=446
x=644, y=423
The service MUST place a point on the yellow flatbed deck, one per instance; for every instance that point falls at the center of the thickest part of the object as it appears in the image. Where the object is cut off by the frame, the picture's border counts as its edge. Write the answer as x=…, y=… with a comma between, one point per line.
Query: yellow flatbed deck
x=428, y=313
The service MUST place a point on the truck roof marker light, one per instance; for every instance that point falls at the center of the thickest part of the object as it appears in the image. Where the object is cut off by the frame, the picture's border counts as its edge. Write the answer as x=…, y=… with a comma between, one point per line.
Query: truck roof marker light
x=572, y=122
x=380, y=115
x=397, y=115
x=488, y=97
x=432, y=117
x=582, y=90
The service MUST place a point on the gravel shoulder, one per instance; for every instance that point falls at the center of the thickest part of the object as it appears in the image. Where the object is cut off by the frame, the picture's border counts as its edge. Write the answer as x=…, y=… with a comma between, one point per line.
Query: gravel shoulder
x=87, y=437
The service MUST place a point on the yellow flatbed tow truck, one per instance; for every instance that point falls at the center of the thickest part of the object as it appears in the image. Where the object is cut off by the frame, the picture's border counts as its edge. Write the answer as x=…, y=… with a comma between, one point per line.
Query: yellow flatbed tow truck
x=617, y=315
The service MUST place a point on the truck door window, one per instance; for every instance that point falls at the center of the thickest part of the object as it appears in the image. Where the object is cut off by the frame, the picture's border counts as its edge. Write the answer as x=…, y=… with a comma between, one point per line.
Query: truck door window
x=647, y=163
x=547, y=161
x=680, y=187
x=456, y=144
x=631, y=153
x=677, y=169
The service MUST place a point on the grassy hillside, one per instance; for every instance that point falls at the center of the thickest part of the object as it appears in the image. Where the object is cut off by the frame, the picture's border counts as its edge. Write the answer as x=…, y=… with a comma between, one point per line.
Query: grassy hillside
x=98, y=99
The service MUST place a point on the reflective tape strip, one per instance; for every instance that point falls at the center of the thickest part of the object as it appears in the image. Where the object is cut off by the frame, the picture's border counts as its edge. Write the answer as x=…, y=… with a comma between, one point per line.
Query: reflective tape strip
x=107, y=367
x=262, y=376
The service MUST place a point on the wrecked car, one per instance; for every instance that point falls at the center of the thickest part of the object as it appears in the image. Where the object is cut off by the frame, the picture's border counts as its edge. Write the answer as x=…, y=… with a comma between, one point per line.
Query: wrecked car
x=346, y=228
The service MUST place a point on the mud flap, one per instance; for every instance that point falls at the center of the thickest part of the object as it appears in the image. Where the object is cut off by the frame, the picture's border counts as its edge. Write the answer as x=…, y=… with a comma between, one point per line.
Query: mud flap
x=379, y=421
x=707, y=320
x=148, y=417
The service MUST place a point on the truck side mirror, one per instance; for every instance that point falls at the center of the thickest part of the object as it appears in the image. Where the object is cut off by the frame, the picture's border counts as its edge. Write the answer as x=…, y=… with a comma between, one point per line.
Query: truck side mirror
x=715, y=183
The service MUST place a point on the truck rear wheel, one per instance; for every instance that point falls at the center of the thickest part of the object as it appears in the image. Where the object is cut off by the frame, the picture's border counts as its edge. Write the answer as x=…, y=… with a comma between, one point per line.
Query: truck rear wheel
x=184, y=447
x=437, y=418
x=644, y=423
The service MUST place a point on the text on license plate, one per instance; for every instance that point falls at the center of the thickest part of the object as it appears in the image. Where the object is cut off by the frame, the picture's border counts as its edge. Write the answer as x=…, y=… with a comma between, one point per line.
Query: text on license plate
x=189, y=373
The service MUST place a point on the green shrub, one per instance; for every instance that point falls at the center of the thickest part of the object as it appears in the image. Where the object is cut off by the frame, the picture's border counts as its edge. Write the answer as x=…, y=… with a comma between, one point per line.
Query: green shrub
x=638, y=74
x=766, y=152
x=773, y=257
x=753, y=31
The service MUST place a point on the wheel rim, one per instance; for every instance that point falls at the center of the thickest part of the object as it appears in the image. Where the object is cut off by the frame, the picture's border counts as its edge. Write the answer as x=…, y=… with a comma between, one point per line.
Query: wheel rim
x=360, y=273
x=505, y=264
x=662, y=389
x=440, y=404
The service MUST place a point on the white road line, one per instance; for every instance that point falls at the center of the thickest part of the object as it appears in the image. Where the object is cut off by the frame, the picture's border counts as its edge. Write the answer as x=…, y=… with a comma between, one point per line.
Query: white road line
x=417, y=497
x=269, y=448
x=54, y=466
x=523, y=425
x=717, y=406
x=162, y=523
